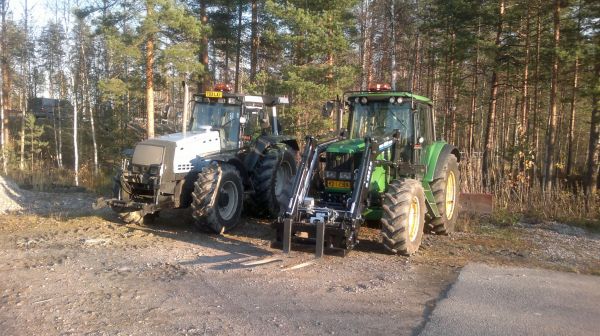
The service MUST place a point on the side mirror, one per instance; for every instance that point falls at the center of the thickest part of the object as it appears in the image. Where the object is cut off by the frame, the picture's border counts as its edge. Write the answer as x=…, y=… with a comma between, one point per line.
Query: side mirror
x=264, y=119
x=328, y=107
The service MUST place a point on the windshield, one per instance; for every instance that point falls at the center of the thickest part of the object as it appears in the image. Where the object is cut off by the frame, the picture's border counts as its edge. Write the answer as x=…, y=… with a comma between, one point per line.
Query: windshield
x=224, y=117
x=379, y=118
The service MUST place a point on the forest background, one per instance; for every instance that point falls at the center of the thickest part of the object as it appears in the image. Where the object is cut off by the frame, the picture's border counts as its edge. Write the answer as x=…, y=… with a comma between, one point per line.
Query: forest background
x=515, y=83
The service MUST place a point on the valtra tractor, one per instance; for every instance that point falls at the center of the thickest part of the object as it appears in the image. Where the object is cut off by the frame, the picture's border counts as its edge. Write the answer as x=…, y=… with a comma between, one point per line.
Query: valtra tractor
x=232, y=151
x=386, y=166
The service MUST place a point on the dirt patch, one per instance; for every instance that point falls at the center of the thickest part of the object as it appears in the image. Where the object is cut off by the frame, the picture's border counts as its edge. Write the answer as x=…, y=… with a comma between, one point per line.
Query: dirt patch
x=15, y=200
x=92, y=275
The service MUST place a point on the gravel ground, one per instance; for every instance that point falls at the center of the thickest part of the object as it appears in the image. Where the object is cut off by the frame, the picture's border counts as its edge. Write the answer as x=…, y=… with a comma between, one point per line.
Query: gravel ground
x=16, y=200
x=67, y=270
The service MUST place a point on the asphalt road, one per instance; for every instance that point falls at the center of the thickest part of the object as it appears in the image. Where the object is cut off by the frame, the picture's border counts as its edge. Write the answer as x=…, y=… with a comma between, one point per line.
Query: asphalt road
x=489, y=300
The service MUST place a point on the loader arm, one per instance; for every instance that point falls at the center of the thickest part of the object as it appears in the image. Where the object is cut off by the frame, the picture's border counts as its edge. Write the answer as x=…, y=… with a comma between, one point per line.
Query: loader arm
x=327, y=225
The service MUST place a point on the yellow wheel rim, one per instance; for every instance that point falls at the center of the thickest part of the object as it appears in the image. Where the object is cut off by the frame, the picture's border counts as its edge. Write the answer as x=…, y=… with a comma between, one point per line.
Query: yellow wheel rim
x=414, y=214
x=450, y=195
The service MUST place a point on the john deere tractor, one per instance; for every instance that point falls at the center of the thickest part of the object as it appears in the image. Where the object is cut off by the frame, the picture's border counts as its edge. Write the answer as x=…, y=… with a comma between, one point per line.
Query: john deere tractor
x=386, y=167
x=231, y=151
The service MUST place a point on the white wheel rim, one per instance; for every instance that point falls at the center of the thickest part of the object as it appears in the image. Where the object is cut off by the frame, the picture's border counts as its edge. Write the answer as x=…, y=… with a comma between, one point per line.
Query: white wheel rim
x=227, y=202
x=450, y=195
x=414, y=214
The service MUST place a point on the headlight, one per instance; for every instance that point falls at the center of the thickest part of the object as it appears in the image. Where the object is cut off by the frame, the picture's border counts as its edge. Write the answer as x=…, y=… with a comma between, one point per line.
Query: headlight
x=345, y=176
x=330, y=174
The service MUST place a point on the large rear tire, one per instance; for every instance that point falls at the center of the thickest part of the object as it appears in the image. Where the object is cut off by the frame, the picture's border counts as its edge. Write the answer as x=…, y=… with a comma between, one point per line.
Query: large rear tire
x=403, y=216
x=445, y=190
x=272, y=179
x=217, y=198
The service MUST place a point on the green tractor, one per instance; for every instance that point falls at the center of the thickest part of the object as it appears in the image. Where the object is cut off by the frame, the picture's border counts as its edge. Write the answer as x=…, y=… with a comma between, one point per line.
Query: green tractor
x=386, y=167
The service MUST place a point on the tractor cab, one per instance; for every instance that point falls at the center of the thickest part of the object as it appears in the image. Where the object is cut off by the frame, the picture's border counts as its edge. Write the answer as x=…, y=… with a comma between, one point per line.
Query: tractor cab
x=383, y=114
x=238, y=118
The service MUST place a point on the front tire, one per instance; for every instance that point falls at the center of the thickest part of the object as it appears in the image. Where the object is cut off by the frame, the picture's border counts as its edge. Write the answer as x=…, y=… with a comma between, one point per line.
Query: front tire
x=217, y=198
x=445, y=191
x=403, y=216
x=272, y=179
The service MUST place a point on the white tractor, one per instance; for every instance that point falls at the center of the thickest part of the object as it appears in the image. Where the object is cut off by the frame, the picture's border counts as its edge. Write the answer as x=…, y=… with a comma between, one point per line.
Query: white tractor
x=231, y=151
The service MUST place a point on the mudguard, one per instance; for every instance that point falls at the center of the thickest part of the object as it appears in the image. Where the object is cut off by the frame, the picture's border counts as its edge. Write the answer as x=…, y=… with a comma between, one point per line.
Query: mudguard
x=261, y=145
x=435, y=154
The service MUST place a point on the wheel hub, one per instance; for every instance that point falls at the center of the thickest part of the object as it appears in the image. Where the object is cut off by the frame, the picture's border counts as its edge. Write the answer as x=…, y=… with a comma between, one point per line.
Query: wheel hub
x=414, y=212
x=450, y=201
x=227, y=203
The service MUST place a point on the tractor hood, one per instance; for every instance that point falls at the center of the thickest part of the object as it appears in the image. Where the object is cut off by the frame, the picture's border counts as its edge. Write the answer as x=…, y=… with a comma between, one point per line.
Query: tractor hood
x=180, y=149
x=349, y=146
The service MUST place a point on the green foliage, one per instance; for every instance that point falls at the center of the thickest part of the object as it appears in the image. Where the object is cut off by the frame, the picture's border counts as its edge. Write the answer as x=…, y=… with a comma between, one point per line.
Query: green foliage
x=33, y=137
x=316, y=34
x=178, y=32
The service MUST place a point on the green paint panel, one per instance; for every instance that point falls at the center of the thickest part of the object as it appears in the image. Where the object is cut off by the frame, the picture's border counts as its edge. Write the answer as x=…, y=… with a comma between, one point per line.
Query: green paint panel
x=349, y=146
x=373, y=214
x=378, y=181
x=435, y=212
x=430, y=159
x=379, y=176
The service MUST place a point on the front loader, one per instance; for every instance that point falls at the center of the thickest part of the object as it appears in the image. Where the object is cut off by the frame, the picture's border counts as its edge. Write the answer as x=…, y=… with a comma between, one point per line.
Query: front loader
x=386, y=167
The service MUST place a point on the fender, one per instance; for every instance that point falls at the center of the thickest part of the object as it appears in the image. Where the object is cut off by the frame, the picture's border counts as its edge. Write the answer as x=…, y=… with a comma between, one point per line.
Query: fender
x=435, y=154
x=262, y=144
x=229, y=158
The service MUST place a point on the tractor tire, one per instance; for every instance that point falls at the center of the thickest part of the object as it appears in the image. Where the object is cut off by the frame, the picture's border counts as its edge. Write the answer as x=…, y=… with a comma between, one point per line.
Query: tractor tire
x=445, y=191
x=217, y=198
x=273, y=179
x=403, y=216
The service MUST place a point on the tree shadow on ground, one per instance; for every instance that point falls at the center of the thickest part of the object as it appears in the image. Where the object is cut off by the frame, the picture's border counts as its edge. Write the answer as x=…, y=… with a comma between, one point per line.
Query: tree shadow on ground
x=245, y=242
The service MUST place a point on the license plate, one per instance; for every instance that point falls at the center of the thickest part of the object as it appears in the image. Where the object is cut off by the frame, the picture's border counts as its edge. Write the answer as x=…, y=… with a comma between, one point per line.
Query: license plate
x=214, y=94
x=338, y=184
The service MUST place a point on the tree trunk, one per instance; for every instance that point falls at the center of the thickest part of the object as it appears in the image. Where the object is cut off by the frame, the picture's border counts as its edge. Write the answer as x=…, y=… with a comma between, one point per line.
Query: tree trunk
x=488, y=144
x=205, y=77
x=254, y=41
x=365, y=44
x=3, y=97
x=238, y=49
x=593, y=157
x=393, y=44
x=87, y=103
x=571, y=133
x=523, y=136
x=549, y=170
x=415, y=66
x=150, y=76
x=474, y=93
x=25, y=65
x=535, y=129
x=60, y=143
x=75, y=142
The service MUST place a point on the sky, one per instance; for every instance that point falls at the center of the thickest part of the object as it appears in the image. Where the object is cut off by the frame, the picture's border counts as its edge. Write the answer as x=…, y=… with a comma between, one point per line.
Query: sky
x=40, y=10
